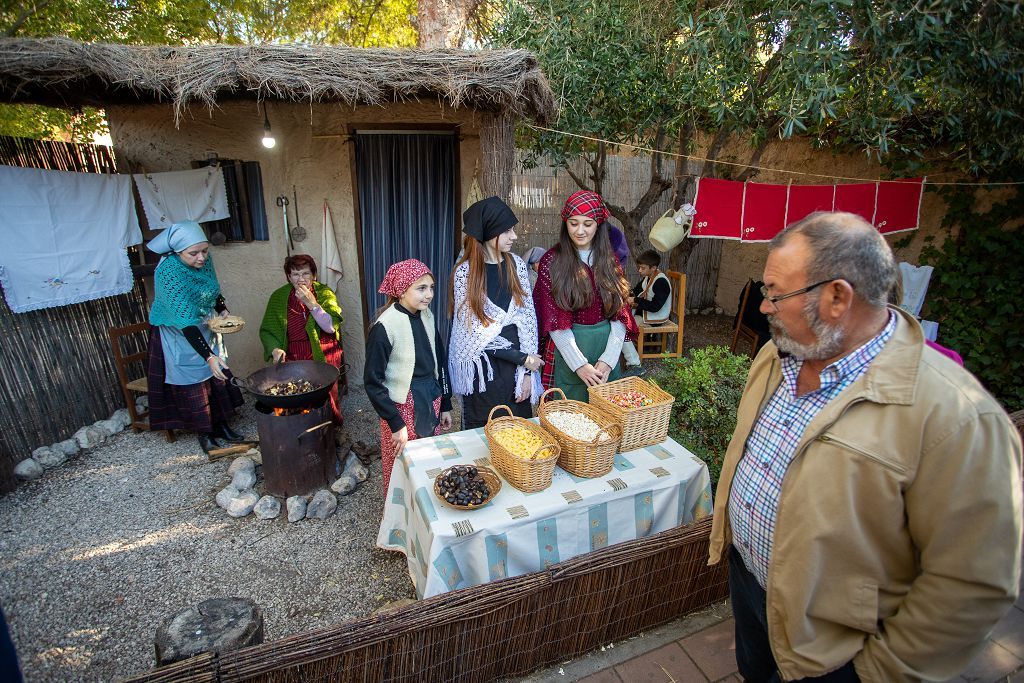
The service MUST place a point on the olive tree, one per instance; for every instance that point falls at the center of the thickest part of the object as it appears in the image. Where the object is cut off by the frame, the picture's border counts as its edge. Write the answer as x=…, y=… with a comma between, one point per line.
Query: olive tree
x=912, y=84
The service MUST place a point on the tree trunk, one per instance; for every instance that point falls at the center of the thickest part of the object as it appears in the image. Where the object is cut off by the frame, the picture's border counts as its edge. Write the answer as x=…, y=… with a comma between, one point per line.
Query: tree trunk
x=442, y=23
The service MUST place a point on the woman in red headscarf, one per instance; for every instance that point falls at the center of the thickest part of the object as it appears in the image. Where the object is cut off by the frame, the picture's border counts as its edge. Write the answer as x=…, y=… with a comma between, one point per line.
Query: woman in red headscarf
x=582, y=301
x=406, y=373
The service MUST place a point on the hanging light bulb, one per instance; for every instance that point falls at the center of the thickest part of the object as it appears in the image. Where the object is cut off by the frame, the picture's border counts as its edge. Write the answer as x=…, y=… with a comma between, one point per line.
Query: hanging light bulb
x=268, y=137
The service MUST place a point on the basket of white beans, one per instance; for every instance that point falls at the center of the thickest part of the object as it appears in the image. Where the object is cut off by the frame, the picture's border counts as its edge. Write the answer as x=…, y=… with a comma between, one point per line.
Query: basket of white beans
x=589, y=438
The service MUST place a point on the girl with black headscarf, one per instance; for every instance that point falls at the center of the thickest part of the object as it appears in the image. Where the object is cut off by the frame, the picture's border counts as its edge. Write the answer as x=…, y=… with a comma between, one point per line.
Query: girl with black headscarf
x=492, y=354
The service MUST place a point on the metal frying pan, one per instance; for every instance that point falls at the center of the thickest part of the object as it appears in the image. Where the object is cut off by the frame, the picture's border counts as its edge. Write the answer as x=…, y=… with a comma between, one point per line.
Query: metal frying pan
x=319, y=374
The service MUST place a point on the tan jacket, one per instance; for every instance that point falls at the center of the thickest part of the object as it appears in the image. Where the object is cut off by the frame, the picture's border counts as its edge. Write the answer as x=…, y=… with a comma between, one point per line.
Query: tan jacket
x=898, y=536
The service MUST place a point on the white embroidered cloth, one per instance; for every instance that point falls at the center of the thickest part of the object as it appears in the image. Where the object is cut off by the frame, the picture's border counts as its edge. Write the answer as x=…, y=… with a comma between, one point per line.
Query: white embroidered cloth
x=63, y=236
x=470, y=339
x=197, y=195
x=331, y=269
x=915, y=286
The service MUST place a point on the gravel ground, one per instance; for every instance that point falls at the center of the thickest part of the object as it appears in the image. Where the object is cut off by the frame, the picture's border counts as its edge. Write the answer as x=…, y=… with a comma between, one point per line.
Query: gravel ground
x=96, y=553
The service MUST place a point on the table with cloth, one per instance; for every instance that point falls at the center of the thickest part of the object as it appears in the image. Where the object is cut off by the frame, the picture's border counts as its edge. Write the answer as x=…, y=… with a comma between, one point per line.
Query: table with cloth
x=647, y=491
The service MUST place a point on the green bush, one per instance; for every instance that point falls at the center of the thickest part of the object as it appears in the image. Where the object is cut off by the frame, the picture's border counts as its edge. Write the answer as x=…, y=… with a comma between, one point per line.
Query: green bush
x=975, y=291
x=707, y=385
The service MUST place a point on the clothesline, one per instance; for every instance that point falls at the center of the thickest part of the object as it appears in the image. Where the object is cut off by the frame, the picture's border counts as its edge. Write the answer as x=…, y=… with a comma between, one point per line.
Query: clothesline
x=652, y=150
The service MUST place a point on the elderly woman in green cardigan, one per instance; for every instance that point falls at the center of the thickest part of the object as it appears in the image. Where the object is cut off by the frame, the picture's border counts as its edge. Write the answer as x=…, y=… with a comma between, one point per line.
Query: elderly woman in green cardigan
x=303, y=321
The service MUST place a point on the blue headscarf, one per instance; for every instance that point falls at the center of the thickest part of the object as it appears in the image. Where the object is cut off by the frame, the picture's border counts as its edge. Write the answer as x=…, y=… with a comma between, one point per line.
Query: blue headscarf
x=184, y=296
x=177, y=238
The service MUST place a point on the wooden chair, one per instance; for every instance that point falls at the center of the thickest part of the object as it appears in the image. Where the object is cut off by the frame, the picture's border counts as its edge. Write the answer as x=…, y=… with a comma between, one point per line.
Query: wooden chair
x=661, y=331
x=126, y=364
x=750, y=326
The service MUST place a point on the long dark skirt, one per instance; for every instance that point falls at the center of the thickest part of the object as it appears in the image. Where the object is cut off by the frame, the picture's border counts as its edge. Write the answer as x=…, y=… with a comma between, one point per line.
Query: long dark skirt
x=500, y=391
x=194, y=407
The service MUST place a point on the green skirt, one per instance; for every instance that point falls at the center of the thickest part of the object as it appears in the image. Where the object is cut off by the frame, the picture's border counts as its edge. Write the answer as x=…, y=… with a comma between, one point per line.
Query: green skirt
x=591, y=340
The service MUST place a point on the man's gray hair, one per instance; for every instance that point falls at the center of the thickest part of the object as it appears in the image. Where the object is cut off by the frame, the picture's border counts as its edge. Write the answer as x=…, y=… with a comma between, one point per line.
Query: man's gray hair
x=846, y=247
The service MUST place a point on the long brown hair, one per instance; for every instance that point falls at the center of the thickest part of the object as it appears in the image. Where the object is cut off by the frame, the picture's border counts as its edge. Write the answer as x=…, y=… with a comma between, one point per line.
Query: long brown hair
x=570, y=286
x=476, y=289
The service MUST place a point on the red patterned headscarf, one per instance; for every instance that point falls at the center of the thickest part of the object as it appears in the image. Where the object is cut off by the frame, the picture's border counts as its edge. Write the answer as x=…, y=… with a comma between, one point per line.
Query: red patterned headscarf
x=401, y=275
x=585, y=203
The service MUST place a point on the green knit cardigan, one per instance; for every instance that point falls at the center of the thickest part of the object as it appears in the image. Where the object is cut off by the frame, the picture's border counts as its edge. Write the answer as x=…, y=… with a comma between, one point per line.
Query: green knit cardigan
x=274, y=328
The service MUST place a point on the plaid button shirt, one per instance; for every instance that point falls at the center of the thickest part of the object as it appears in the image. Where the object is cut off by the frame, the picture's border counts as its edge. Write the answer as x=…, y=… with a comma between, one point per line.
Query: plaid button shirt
x=771, y=446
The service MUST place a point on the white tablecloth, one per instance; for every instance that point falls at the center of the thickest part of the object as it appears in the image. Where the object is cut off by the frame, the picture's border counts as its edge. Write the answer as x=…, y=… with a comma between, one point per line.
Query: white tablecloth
x=648, y=491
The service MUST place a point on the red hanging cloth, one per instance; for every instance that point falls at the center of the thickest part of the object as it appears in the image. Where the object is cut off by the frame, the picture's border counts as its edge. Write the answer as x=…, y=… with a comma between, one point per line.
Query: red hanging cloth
x=719, y=205
x=764, y=211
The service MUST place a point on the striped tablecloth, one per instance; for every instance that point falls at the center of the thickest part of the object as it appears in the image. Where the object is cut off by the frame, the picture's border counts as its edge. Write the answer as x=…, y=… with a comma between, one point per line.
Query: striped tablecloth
x=648, y=490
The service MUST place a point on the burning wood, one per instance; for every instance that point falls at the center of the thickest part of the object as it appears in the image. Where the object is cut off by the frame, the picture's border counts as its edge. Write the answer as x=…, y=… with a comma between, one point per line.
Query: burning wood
x=291, y=411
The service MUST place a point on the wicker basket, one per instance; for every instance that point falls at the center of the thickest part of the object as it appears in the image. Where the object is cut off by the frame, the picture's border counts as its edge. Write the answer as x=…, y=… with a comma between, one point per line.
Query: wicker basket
x=582, y=458
x=644, y=426
x=493, y=483
x=529, y=475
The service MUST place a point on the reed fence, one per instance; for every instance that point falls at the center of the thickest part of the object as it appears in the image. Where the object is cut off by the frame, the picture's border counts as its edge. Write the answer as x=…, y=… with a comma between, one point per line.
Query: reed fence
x=56, y=369
x=493, y=631
x=538, y=192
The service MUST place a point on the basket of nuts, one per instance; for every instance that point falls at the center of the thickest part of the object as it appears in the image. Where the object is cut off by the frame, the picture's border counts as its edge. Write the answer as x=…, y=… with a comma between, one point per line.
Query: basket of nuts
x=524, y=453
x=642, y=408
x=589, y=438
x=466, y=487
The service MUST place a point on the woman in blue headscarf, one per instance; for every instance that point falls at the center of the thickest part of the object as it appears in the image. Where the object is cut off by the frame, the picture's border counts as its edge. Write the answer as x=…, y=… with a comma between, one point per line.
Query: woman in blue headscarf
x=188, y=387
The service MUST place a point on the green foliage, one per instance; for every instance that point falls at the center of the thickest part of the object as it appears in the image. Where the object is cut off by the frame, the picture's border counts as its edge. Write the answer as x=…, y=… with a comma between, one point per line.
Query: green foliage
x=707, y=385
x=363, y=23
x=894, y=78
x=47, y=123
x=976, y=291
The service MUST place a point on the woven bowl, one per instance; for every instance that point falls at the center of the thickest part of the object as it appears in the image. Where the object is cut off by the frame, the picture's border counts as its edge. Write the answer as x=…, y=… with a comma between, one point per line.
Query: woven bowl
x=226, y=325
x=489, y=476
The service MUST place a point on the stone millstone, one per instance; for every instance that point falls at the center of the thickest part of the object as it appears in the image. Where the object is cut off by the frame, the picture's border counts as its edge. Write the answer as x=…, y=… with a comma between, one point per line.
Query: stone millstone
x=216, y=625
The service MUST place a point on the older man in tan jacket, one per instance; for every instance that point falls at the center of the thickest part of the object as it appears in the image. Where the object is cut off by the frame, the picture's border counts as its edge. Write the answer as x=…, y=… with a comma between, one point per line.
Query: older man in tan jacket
x=870, y=499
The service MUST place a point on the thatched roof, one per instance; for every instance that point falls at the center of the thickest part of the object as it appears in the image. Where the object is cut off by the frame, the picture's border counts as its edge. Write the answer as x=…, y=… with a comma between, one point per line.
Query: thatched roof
x=64, y=73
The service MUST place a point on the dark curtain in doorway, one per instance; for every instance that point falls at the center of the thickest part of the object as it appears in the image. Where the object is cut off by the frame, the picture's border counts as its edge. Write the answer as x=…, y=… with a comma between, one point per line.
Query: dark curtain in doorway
x=407, y=206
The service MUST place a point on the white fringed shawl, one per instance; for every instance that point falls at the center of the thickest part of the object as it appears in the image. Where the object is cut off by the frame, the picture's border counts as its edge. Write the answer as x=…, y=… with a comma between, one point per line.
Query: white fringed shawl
x=470, y=338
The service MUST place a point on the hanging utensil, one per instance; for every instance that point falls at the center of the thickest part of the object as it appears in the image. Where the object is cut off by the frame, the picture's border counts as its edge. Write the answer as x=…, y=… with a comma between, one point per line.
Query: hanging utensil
x=218, y=238
x=282, y=201
x=298, y=232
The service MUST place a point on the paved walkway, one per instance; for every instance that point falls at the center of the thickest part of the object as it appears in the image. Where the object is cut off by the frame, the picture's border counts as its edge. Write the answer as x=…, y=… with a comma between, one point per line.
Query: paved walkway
x=700, y=648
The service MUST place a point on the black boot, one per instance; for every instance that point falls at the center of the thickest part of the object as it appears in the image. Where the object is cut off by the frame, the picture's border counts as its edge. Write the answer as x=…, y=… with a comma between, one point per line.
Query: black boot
x=208, y=442
x=225, y=433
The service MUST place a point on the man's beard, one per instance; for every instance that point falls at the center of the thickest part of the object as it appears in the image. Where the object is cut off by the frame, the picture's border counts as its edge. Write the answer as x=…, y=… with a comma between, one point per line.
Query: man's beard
x=829, y=338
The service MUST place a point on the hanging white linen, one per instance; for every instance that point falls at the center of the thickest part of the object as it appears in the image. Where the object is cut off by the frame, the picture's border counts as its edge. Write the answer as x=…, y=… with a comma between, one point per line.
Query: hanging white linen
x=197, y=195
x=931, y=329
x=63, y=236
x=331, y=270
x=915, y=286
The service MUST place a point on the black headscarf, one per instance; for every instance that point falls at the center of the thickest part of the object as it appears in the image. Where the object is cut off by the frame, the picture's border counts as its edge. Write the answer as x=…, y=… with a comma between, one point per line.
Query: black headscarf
x=487, y=219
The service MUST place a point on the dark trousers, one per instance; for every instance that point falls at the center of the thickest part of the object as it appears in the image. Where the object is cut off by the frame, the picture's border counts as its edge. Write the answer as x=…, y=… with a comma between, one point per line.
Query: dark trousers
x=753, y=651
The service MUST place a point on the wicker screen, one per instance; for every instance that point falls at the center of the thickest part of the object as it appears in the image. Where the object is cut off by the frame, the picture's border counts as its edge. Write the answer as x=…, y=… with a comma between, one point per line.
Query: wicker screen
x=496, y=630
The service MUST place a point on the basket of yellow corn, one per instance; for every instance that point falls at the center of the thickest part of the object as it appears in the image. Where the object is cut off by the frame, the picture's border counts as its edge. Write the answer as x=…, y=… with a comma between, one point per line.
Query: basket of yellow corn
x=524, y=453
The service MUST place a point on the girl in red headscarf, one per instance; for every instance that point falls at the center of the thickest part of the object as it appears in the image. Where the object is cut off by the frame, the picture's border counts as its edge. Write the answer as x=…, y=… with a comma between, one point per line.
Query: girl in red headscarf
x=582, y=301
x=406, y=374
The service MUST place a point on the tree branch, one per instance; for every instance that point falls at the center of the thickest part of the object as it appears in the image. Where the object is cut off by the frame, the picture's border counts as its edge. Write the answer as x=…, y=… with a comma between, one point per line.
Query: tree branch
x=24, y=12
x=579, y=181
x=714, y=149
x=755, y=158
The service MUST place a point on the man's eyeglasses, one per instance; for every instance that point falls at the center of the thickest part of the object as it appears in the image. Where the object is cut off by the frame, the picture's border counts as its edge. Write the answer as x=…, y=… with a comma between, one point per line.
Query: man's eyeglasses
x=776, y=299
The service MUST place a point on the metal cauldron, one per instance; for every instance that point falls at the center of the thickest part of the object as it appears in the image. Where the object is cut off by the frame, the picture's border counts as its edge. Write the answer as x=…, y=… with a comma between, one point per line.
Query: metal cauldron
x=321, y=375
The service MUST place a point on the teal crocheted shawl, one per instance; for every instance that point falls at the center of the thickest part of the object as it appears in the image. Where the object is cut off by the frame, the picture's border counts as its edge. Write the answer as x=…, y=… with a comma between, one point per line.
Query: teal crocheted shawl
x=184, y=296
